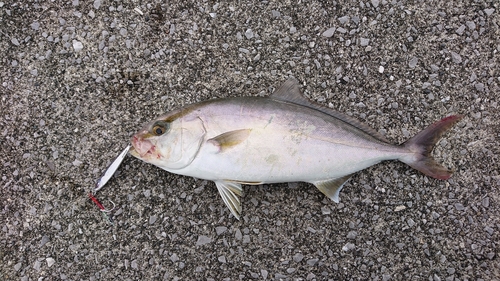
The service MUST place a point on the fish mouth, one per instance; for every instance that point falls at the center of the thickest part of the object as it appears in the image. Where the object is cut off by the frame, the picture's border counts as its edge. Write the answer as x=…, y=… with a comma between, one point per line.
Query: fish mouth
x=142, y=148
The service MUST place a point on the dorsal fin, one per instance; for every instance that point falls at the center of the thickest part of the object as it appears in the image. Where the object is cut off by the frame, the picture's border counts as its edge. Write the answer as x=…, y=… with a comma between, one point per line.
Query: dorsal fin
x=290, y=92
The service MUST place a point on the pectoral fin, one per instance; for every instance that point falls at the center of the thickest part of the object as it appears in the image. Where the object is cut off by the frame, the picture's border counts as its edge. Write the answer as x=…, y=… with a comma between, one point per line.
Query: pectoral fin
x=230, y=139
x=230, y=192
x=331, y=188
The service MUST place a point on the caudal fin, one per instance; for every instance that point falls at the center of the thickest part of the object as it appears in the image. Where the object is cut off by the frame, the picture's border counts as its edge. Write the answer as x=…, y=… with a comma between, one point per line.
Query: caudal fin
x=423, y=143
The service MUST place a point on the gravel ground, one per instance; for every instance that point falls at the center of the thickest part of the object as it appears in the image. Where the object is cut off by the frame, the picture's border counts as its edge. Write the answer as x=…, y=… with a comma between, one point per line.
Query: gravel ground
x=78, y=78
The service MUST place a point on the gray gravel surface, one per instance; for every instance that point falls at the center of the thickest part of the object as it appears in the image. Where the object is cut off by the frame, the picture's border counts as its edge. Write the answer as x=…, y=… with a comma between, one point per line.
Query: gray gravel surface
x=78, y=78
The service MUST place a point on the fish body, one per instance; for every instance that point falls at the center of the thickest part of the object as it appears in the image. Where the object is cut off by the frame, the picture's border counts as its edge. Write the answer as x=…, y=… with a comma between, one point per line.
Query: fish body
x=281, y=138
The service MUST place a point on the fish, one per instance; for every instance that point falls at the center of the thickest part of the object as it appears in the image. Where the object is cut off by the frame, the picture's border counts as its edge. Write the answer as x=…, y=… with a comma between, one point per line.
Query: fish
x=284, y=137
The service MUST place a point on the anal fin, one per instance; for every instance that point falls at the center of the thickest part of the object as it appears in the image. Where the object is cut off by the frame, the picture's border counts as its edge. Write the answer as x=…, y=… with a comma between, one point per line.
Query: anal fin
x=230, y=192
x=331, y=188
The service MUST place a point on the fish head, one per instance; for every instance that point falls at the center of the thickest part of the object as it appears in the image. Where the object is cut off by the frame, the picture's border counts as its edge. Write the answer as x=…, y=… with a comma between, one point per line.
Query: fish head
x=170, y=142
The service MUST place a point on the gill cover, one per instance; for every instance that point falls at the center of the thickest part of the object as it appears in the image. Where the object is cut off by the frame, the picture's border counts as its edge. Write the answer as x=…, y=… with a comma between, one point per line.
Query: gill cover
x=180, y=144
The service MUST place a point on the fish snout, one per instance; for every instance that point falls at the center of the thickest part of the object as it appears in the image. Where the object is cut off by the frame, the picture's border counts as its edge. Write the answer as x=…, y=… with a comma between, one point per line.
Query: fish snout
x=141, y=146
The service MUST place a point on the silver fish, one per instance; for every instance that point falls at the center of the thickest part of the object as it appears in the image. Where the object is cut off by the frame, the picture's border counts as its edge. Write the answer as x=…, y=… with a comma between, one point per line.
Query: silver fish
x=280, y=138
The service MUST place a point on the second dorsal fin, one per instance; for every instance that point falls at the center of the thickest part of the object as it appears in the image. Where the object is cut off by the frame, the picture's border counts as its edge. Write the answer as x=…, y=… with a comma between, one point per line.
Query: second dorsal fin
x=290, y=92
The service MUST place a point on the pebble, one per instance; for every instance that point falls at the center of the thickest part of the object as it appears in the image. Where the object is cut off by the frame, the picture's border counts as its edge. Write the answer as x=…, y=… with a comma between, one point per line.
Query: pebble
x=97, y=4
x=50, y=262
x=35, y=25
x=471, y=25
x=489, y=12
x=348, y=247
x=344, y=19
x=312, y=262
x=479, y=87
x=375, y=3
x=174, y=258
x=459, y=206
x=364, y=41
x=77, y=45
x=460, y=30
x=456, y=57
x=220, y=229
x=15, y=41
x=298, y=257
x=264, y=274
x=329, y=32
x=249, y=34
x=45, y=240
x=202, y=240
x=152, y=219
x=413, y=62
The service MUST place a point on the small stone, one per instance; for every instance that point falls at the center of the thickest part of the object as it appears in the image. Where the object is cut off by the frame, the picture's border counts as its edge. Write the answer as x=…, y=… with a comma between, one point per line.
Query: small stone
x=344, y=19
x=174, y=258
x=14, y=41
x=489, y=230
x=152, y=219
x=238, y=235
x=489, y=11
x=459, y=206
x=298, y=257
x=375, y=3
x=249, y=34
x=220, y=229
x=381, y=69
x=460, y=30
x=202, y=240
x=264, y=274
x=471, y=25
x=413, y=62
x=17, y=266
x=312, y=262
x=456, y=57
x=348, y=246
x=486, y=202
x=77, y=45
x=410, y=222
x=479, y=87
x=45, y=240
x=352, y=235
x=133, y=264
x=50, y=262
x=364, y=41
x=97, y=4
x=329, y=32
x=342, y=30
x=37, y=265
x=399, y=208
x=77, y=163
x=325, y=210
x=35, y=25
x=222, y=259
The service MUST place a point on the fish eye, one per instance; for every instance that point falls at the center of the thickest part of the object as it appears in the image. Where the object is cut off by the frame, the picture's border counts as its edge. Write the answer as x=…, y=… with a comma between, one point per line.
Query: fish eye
x=160, y=128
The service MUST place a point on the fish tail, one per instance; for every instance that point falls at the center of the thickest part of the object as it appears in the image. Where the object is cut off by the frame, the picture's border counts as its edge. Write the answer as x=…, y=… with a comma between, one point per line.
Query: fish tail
x=423, y=143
